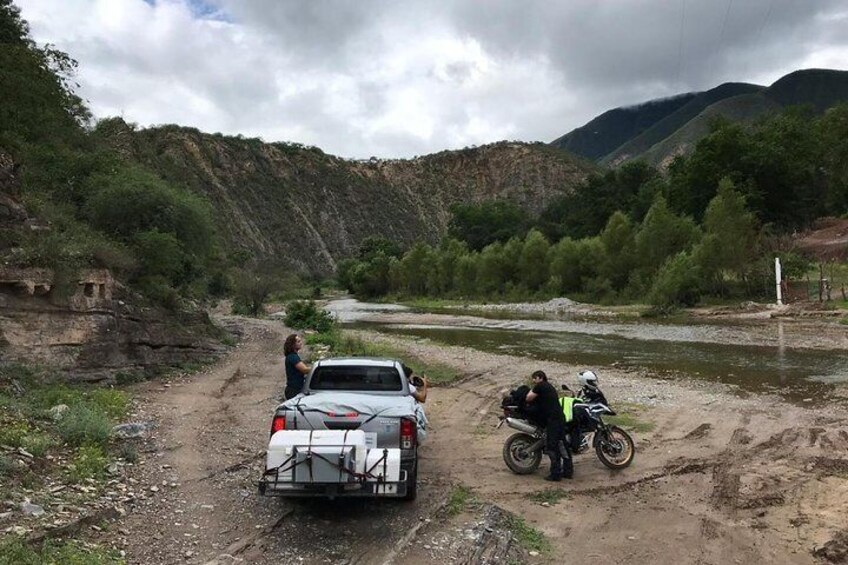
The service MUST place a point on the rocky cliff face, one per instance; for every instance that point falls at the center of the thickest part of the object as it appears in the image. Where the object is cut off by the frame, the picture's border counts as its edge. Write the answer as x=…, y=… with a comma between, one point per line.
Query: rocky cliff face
x=92, y=336
x=291, y=205
x=92, y=329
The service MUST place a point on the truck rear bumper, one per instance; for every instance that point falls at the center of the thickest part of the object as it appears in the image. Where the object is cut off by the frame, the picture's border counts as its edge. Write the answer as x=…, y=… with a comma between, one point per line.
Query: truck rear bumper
x=271, y=487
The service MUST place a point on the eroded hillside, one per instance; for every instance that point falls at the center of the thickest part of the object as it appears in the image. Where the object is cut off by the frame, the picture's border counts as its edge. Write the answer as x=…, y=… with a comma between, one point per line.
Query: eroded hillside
x=292, y=205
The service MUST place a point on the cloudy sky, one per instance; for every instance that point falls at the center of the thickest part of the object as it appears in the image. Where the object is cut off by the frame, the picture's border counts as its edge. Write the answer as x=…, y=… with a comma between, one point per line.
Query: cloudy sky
x=396, y=78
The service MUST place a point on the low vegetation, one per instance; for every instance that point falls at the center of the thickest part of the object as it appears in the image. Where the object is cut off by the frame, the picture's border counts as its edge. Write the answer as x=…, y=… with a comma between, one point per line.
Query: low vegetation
x=51, y=433
x=550, y=496
x=630, y=416
x=14, y=550
x=460, y=497
x=529, y=537
x=338, y=342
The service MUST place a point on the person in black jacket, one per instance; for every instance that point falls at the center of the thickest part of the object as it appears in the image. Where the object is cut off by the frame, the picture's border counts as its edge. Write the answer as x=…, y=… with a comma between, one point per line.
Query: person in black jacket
x=546, y=400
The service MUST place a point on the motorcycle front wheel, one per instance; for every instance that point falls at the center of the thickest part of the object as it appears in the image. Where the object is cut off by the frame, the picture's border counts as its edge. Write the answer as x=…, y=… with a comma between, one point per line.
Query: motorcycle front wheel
x=615, y=448
x=517, y=455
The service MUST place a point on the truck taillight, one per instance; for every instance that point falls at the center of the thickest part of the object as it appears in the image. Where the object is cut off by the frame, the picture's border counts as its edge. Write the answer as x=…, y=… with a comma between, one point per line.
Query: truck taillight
x=408, y=433
x=279, y=423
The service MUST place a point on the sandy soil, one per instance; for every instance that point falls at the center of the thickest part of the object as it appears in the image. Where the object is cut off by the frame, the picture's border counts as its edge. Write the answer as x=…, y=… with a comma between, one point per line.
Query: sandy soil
x=719, y=480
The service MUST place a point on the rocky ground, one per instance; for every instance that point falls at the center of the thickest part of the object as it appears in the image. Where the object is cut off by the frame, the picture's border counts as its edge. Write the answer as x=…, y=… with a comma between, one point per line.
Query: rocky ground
x=717, y=478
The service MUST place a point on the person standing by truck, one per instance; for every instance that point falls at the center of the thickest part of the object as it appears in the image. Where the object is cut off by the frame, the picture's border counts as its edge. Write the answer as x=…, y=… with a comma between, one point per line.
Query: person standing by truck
x=296, y=369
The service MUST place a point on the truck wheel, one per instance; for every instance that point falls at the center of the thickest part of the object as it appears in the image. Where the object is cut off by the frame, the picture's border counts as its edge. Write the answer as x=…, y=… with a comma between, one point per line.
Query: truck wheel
x=412, y=482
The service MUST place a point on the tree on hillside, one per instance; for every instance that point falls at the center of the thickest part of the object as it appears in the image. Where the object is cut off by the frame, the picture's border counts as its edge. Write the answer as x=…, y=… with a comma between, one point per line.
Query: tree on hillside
x=372, y=245
x=479, y=225
x=720, y=154
x=832, y=129
x=36, y=87
x=585, y=211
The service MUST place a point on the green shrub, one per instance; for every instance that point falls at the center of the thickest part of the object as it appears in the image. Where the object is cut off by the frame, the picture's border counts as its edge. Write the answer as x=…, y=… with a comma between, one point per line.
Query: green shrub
x=89, y=463
x=305, y=314
x=83, y=425
x=112, y=402
x=129, y=377
x=459, y=498
x=7, y=466
x=13, y=434
x=37, y=443
x=158, y=289
x=14, y=551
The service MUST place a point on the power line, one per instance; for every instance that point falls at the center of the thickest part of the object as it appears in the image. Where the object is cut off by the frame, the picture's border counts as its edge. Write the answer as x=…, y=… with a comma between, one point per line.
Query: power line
x=721, y=35
x=680, y=39
x=765, y=21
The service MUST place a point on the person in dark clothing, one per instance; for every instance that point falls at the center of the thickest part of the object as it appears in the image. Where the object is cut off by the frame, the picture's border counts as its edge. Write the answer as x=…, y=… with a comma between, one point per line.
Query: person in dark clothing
x=544, y=396
x=296, y=369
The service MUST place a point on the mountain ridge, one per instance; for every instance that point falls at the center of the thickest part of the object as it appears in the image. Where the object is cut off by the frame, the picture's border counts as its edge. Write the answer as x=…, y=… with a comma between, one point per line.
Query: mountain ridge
x=677, y=131
x=293, y=205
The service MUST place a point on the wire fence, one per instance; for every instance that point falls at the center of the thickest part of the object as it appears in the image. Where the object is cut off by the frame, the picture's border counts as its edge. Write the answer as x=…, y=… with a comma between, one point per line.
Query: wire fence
x=828, y=283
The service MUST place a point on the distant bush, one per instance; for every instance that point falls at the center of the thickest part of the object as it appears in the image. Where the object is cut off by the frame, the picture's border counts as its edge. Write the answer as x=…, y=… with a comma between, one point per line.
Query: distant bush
x=305, y=314
x=252, y=290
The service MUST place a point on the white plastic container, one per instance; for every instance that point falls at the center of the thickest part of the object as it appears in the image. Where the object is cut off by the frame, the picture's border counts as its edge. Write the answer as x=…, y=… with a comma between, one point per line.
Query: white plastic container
x=388, y=472
x=326, y=442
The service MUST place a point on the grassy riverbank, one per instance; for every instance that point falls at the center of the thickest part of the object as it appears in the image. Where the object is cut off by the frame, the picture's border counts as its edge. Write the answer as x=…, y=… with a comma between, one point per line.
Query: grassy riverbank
x=337, y=342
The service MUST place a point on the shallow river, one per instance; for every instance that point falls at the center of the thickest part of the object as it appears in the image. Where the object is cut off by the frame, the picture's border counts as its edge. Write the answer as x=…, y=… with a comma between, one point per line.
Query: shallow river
x=724, y=352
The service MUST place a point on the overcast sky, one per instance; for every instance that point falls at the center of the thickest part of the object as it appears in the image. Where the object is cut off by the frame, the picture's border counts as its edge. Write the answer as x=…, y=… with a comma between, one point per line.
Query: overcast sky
x=396, y=78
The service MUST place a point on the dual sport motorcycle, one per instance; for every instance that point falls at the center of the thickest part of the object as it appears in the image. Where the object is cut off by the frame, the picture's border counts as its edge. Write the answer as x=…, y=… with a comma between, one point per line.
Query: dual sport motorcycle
x=522, y=451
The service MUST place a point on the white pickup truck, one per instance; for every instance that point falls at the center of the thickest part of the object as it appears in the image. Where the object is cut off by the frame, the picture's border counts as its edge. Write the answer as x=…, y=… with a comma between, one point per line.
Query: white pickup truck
x=354, y=431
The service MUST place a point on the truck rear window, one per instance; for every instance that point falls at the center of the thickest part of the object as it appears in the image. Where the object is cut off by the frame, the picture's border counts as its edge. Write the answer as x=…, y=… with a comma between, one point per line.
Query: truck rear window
x=356, y=378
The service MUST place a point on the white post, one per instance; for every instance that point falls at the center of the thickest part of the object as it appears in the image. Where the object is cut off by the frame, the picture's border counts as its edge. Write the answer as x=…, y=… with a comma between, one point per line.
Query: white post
x=777, y=280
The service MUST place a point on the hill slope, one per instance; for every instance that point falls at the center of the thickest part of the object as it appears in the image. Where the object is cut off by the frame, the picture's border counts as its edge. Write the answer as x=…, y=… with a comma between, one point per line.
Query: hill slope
x=615, y=127
x=678, y=130
x=674, y=121
x=291, y=205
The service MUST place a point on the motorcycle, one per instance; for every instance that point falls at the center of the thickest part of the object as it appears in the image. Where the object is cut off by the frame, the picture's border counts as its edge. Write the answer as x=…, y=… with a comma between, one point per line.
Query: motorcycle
x=522, y=451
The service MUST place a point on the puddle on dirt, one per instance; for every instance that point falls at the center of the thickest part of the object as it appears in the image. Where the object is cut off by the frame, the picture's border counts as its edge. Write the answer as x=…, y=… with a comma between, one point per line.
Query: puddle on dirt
x=713, y=352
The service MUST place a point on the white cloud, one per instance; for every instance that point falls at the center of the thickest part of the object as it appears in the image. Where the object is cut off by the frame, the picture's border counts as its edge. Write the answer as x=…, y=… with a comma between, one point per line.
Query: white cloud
x=392, y=79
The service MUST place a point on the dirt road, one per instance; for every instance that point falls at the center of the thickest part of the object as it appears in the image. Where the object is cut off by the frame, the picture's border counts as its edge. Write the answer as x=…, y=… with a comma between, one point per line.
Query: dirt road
x=720, y=479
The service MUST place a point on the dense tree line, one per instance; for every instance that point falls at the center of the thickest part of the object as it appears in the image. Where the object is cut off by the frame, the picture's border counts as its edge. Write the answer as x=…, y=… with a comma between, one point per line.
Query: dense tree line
x=667, y=257
x=709, y=227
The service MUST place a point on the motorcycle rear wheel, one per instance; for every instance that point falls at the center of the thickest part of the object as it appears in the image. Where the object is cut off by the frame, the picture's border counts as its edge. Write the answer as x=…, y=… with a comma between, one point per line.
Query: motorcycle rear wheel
x=517, y=458
x=615, y=448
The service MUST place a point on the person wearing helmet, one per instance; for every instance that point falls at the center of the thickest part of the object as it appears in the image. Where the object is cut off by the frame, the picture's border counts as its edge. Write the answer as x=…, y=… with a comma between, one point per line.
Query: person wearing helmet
x=544, y=396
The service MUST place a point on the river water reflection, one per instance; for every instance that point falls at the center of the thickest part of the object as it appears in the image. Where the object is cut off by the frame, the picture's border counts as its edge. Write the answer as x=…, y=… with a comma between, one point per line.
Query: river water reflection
x=716, y=352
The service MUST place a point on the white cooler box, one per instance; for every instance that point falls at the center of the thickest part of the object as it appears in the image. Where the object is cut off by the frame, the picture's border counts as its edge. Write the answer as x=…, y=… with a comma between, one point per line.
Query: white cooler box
x=331, y=452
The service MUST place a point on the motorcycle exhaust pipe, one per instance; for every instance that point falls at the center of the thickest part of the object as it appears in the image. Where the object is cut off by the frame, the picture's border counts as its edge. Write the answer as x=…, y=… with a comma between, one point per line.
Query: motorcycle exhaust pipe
x=522, y=426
